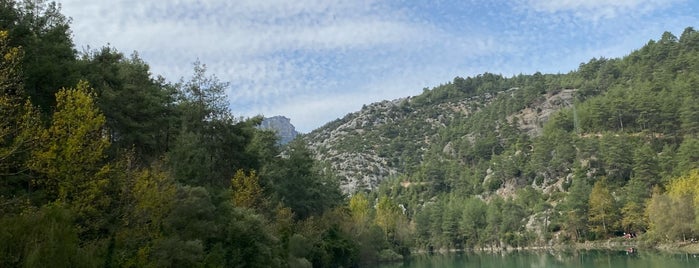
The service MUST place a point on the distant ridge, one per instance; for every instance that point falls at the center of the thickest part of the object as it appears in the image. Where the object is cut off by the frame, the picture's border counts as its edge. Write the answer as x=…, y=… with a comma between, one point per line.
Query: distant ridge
x=282, y=125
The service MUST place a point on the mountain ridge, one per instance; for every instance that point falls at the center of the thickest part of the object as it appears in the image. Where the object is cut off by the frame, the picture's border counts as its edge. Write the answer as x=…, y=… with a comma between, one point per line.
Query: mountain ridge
x=363, y=168
x=539, y=159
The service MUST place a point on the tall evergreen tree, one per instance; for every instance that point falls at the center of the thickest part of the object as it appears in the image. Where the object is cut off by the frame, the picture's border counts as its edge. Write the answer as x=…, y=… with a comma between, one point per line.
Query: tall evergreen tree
x=576, y=207
x=44, y=34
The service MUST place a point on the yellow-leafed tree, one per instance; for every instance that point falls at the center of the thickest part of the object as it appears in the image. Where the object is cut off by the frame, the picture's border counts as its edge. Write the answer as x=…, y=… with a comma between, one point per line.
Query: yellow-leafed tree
x=360, y=211
x=672, y=215
x=247, y=192
x=72, y=150
x=19, y=123
x=603, y=213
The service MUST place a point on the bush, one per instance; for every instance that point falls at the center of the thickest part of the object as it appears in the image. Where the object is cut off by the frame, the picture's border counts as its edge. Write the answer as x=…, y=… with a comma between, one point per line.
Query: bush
x=388, y=255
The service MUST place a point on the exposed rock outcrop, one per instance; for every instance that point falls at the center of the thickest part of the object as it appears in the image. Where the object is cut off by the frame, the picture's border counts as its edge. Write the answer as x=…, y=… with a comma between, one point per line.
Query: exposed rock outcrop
x=282, y=125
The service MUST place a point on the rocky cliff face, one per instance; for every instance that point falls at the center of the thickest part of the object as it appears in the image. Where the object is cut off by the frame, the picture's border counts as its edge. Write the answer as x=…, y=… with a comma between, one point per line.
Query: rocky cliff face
x=282, y=125
x=389, y=138
x=531, y=119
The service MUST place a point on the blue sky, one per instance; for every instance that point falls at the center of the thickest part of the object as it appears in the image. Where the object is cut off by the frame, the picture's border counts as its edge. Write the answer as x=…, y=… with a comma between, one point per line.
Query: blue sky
x=314, y=60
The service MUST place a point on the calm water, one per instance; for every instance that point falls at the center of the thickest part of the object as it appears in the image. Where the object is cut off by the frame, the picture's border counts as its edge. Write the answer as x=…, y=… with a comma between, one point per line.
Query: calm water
x=533, y=259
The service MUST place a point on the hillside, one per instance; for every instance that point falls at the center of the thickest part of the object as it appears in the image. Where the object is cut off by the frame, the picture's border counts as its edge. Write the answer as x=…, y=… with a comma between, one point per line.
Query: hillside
x=388, y=138
x=103, y=163
x=570, y=156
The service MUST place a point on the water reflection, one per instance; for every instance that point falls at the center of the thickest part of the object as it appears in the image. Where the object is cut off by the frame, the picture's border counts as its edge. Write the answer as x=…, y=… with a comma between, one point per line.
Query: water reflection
x=630, y=257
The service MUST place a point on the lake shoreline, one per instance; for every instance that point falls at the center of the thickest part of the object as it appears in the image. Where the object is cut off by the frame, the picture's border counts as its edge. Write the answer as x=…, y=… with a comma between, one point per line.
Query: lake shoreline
x=609, y=244
x=583, y=255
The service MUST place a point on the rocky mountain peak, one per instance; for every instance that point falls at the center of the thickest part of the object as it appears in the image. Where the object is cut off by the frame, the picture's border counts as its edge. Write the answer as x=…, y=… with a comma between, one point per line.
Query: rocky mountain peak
x=282, y=125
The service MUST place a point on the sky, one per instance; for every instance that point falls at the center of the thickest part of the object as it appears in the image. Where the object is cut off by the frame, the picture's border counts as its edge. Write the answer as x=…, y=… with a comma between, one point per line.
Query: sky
x=317, y=60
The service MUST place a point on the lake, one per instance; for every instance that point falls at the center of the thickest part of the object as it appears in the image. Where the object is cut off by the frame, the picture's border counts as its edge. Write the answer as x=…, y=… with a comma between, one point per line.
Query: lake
x=541, y=259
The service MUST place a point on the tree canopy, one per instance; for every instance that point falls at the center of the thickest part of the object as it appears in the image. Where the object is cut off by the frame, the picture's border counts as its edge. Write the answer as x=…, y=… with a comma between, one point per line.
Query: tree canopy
x=104, y=164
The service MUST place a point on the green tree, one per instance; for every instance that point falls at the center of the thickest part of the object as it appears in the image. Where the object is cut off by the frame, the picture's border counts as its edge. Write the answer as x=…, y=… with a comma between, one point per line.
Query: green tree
x=633, y=217
x=19, y=123
x=296, y=182
x=576, y=207
x=615, y=151
x=193, y=215
x=512, y=226
x=263, y=148
x=645, y=168
x=602, y=213
x=473, y=220
x=422, y=220
x=451, y=215
x=248, y=242
x=690, y=39
x=211, y=144
x=493, y=218
x=687, y=157
x=633, y=212
x=667, y=161
x=44, y=34
x=139, y=109
x=689, y=116
x=44, y=237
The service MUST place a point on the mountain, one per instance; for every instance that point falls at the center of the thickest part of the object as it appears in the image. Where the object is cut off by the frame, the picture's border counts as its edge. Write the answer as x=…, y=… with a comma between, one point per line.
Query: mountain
x=282, y=125
x=475, y=125
x=537, y=159
x=392, y=137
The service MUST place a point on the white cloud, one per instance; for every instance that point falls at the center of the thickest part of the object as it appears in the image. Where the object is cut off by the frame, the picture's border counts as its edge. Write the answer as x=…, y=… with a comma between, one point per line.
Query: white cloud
x=316, y=60
x=312, y=109
x=595, y=10
x=249, y=28
x=267, y=49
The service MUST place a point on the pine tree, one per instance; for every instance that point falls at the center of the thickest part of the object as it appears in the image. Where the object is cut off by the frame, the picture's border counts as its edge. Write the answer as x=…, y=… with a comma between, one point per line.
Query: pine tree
x=576, y=207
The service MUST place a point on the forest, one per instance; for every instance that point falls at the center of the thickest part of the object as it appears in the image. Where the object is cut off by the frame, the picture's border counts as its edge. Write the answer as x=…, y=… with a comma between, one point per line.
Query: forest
x=103, y=163
x=620, y=157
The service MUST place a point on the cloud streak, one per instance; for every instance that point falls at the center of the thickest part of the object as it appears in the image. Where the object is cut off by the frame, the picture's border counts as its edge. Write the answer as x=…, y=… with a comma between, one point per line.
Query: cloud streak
x=600, y=9
x=316, y=60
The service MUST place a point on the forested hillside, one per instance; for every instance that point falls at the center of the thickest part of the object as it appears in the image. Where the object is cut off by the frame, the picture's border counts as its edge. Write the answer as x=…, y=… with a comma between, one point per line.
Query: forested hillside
x=103, y=163
x=491, y=161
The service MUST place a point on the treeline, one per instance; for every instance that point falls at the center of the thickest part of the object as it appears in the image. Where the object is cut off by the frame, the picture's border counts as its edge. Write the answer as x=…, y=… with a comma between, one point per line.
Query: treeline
x=607, y=164
x=103, y=164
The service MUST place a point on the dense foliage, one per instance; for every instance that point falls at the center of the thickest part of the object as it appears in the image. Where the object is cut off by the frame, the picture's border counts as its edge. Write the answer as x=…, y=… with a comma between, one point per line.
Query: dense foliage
x=541, y=159
x=103, y=164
